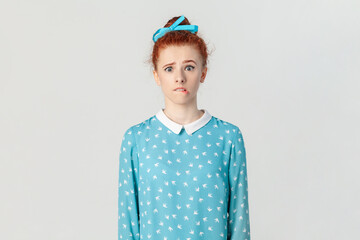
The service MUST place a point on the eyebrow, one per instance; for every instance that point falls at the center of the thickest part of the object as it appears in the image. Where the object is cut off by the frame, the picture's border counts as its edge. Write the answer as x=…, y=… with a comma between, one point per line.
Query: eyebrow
x=186, y=61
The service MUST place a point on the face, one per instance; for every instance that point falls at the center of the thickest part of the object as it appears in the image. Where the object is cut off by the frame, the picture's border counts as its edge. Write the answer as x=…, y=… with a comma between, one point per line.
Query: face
x=180, y=66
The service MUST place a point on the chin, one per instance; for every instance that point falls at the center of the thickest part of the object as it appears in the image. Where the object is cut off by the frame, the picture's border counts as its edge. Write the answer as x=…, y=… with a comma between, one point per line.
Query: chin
x=180, y=102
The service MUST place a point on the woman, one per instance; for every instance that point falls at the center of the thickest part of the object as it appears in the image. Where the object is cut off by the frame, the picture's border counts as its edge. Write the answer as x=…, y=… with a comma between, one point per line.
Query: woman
x=182, y=172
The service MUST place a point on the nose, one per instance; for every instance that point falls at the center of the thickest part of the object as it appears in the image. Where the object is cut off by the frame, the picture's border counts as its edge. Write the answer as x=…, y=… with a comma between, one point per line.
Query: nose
x=180, y=76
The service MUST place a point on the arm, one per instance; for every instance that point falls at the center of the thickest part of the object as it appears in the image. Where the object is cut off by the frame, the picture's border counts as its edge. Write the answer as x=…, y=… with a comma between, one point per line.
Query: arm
x=128, y=208
x=238, y=210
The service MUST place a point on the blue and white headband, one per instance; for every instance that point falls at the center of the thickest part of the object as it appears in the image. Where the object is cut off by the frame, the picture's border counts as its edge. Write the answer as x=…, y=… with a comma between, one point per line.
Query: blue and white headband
x=174, y=27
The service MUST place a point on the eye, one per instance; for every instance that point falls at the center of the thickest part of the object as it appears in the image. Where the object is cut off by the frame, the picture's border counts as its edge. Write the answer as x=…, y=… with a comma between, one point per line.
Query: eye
x=167, y=68
x=191, y=67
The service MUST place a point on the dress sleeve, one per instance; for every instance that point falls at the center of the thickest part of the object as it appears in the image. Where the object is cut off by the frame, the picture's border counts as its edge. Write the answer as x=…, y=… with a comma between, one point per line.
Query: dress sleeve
x=238, y=208
x=128, y=207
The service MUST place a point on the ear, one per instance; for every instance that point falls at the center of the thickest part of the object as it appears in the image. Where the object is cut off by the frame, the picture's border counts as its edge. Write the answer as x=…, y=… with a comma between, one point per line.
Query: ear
x=203, y=74
x=156, y=77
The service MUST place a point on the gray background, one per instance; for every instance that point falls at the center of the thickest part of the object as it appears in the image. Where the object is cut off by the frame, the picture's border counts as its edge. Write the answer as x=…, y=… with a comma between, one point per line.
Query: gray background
x=74, y=77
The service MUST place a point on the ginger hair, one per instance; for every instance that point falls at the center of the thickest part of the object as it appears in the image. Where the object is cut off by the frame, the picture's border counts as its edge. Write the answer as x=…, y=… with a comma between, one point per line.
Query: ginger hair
x=179, y=38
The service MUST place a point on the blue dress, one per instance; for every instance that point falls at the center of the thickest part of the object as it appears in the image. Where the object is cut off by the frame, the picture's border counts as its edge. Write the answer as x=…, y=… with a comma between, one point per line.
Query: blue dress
x=183, y=182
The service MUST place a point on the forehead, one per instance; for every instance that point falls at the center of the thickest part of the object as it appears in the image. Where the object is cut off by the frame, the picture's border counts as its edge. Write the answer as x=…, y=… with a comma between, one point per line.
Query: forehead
x=179, y=53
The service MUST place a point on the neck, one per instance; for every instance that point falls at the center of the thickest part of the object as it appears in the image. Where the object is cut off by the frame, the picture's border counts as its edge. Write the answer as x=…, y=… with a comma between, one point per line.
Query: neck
x=182, y=114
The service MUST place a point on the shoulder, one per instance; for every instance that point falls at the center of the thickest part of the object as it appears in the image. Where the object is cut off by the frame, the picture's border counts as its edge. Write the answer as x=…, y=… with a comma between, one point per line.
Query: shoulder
x=138, y=128
x=235, y=137
x=231, y=128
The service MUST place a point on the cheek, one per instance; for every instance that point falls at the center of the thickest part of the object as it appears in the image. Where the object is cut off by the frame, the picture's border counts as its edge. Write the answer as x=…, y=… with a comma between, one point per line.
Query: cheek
x=166, y=84
x=195, y=81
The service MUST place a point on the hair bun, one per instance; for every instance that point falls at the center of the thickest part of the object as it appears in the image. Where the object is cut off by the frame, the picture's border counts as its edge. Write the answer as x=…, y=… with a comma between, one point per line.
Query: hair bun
x=179, y=38
x=171, y=21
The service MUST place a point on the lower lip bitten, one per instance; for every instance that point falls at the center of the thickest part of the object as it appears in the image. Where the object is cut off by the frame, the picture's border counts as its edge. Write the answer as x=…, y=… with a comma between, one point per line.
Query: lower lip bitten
x=182, y=91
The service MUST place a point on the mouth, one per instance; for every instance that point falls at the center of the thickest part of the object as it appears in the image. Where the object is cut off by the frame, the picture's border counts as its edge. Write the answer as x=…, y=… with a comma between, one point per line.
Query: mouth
x=181, y=90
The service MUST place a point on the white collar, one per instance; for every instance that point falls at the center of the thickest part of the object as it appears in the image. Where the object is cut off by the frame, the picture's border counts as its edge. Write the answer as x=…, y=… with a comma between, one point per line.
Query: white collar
x=189, y=128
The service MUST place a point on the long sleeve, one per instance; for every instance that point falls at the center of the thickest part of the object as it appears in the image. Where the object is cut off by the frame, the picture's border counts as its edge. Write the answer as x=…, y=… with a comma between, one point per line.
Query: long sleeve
x=238, y=210
x=128, y=207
